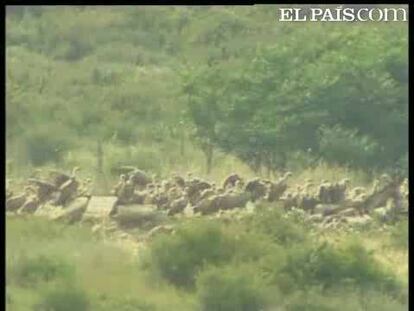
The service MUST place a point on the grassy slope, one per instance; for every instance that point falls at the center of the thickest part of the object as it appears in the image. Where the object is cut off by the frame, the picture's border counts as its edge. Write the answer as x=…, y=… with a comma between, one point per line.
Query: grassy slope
x=109, y=274
x=108, y=270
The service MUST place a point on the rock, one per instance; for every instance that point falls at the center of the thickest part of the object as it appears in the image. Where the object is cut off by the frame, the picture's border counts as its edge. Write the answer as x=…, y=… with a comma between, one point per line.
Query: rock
x=315, y=218
x=380, y=212
x=160, y=229
x=384, y=214
x=96, y=228
x=329, y=209
x=349, y=212
x=73, y=212
x=98, y=208
x=136, y=215
x=360, y=221
x=123, y=235
x=330, y=225
x=47, y=210
x=320, y=208
x=328, y=219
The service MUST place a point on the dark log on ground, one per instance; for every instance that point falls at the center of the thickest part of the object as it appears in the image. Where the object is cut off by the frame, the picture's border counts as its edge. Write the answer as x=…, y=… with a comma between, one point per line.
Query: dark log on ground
x=73, y=212
x=137, y=215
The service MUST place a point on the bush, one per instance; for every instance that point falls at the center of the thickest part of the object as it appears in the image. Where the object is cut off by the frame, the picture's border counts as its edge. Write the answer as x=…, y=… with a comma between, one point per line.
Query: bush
x=281, y=229
x=347, y=147
x=28, y=271
x=64, y=298
x=346, y=300
x=178, y=258
x=402, y=166
x=300, y=160
x=313, y=300
x=230, y=288
x=333, y=266
x=123, y=303
x=45, y=145
x=399, y=235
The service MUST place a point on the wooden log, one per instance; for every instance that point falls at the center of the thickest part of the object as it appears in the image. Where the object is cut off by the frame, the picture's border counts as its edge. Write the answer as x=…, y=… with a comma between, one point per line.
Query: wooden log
x=136, y=215
x=73, y=212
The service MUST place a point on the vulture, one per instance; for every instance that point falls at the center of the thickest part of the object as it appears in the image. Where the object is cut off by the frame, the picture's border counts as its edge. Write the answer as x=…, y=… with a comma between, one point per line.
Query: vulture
x=206, y=193
x=137, y=176
x=324, y=195
x=289, y=201
x=120, y=184
x=232, y=200
x=338, y=191
x=208, y=205
x=356, y=191
x=126, y=192
x=44, y=189
x=256, y=188
x=179, y=181
x=59, y=178
x=17, y=201
x=30, y=206
x=307, y=203
x=230, y=181
x=276, y=189
x=67, y=190
x=178, y=205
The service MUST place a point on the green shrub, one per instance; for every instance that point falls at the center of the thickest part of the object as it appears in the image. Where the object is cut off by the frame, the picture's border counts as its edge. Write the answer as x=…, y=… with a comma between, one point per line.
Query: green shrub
x=230, y=289
x=28, y=271
x=345, y=300
x=179, y=257
x=402, y=166
x=123, y=303
x=273, y=222
x=399, y=235
x=342, y=146
x=64, y=298
x=335, y=266
x=45, y=145
x=313, y=300
x=302, y=160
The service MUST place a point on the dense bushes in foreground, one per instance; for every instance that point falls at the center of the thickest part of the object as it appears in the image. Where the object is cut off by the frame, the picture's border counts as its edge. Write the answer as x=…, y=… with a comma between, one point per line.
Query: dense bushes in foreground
x=30, y=270
x=266, y=262
x=231, y=288
x=231, y=273
x=179, y=258
x=64, y=298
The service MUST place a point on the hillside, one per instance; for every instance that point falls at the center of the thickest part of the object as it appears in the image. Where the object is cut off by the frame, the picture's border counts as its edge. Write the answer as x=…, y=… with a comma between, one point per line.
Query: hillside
x=204, y=158
x=202, y=88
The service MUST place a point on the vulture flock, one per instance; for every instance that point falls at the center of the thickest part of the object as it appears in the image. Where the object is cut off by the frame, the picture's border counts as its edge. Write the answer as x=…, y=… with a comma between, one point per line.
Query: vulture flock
x=328, y=203
x=55, y=191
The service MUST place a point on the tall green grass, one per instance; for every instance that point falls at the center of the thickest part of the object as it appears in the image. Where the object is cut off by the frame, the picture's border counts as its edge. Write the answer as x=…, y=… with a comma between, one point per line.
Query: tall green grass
x=264, y=262
x=53, y=266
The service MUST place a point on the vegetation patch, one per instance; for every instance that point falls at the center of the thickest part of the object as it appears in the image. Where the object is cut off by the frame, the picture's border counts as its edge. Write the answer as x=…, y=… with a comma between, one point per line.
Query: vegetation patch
x=28, y=271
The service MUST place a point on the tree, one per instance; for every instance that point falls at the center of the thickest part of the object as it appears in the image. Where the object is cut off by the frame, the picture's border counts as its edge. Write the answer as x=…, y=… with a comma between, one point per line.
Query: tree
x=203, y=91
x=314, y=78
